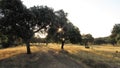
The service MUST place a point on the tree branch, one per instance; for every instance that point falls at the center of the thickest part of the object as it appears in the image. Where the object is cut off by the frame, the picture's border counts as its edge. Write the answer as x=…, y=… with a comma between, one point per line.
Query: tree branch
x=39, y=29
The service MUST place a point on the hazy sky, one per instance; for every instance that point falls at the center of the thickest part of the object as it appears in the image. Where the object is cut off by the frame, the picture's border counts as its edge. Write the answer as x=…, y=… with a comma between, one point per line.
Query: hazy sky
x=96, y=17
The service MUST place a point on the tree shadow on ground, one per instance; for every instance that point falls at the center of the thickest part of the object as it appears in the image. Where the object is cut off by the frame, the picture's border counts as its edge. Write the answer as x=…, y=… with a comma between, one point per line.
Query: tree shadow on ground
x=44, y=59
x=51, y=58
x=93, y=60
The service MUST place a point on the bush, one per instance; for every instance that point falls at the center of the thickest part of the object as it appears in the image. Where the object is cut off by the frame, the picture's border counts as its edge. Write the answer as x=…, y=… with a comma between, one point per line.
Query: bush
x=5, y=45
x=118, y=42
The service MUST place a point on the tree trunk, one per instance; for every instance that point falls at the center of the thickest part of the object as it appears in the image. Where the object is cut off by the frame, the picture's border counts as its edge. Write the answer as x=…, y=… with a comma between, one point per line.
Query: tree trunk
x=28, y=47
x=62, y=46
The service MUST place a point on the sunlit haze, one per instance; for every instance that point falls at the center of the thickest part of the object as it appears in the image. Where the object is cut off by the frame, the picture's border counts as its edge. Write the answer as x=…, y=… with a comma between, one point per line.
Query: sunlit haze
x=96, y=17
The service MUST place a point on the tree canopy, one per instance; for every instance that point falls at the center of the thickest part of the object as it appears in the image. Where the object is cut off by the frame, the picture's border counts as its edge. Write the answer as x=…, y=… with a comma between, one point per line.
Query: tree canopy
x=23, y=22
x=16, y=20
x=68, y=30
x=116, y=33
x=87, y=39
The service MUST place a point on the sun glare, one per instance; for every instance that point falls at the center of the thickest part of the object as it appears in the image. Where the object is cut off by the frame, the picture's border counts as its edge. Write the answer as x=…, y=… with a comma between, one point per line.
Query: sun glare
x=60, y=29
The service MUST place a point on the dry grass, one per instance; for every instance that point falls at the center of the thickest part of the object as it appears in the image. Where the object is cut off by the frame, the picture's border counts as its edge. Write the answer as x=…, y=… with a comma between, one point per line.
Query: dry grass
x=9, y=52
x=95, y=57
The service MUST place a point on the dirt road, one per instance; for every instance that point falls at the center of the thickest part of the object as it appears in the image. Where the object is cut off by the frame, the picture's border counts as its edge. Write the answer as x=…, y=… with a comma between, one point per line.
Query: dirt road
x=44, y=59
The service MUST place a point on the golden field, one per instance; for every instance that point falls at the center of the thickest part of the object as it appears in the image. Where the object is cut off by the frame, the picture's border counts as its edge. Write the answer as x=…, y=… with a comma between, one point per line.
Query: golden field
x=97, y=56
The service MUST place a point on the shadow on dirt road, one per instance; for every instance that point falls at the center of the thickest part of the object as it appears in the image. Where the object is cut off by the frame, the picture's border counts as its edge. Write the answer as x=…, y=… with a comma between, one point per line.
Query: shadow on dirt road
x=43, y=59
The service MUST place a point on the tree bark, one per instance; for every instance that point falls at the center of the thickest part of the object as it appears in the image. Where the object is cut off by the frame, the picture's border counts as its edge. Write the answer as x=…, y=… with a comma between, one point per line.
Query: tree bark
x=28, y=47
x=62, y=46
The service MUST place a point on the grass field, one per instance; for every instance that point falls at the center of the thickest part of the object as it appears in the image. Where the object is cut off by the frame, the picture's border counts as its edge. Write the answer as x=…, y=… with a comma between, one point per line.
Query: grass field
x=51, y=56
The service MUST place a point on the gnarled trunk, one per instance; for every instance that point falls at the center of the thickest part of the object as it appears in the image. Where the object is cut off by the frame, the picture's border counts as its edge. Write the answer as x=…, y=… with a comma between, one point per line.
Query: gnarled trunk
x=28, y=47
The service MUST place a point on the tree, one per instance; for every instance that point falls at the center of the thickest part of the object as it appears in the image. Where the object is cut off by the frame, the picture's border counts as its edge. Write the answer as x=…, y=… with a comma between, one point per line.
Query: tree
x=12, y=11
x=87, y=39
x=63, y=30
x=23, y=22
x=100, y=40
x=52, y=34
x=73, y=34
x=116, y=33
x=61, y=19
x=116, y=29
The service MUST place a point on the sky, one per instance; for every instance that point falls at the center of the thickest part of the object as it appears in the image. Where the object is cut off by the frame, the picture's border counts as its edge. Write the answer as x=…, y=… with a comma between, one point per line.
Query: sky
x=96, y=17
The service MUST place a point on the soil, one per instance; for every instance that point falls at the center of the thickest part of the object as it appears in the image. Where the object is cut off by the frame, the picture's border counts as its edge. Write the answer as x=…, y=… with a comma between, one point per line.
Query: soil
x=44, y=59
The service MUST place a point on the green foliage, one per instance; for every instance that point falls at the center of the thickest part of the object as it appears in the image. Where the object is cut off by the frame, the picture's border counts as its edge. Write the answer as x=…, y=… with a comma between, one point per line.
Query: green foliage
x=104, y=40
x=100, y=41
x=87, y=39
x=3, y=41
x=74, y=35
x=22, y=22
x=116, y=29
x=116, y=33
x=43, y=16
x=9, y=40
x=68, y=31
x=12, y=5
x=3, y=38
x=118, y=37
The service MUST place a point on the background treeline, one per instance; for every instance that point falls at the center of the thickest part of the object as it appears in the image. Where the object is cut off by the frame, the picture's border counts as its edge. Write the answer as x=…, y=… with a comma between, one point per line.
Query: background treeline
x=53, y=37
x=113, y=39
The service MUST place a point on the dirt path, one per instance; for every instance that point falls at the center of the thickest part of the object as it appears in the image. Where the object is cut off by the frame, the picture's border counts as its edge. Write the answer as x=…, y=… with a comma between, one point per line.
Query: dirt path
x=42, y=59
x=59, y=60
